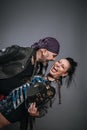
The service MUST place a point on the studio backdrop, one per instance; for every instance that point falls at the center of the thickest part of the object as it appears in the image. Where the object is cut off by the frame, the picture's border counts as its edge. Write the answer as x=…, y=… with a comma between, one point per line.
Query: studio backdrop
x=24, y=22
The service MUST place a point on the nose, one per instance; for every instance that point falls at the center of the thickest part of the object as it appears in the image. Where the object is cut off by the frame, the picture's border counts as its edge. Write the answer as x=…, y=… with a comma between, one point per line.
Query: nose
x=58, y=64
x=53, y=58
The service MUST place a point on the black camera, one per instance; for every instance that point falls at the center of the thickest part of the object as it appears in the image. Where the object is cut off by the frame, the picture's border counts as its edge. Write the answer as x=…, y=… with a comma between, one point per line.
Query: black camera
x=40, y=92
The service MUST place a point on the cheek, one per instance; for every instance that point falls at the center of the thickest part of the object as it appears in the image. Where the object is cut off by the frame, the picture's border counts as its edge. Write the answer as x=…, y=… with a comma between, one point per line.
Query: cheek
x=44, y=57
x=59, y=73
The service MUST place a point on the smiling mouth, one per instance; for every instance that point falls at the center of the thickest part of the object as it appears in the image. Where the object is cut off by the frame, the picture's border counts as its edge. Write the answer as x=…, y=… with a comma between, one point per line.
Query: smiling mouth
x=55, y=69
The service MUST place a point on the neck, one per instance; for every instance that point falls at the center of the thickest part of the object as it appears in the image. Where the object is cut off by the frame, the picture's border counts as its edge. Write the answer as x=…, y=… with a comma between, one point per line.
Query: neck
x=51, y=78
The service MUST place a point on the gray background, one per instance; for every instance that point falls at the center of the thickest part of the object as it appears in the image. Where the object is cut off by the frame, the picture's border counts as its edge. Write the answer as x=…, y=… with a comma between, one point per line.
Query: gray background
x=24, y=22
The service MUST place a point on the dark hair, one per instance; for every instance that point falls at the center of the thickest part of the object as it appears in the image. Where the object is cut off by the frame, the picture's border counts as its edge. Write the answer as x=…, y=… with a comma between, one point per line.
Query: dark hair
x=71, y=70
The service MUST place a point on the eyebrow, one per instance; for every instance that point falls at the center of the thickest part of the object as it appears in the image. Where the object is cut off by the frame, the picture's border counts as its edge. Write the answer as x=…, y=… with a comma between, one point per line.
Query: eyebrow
x=62, y=64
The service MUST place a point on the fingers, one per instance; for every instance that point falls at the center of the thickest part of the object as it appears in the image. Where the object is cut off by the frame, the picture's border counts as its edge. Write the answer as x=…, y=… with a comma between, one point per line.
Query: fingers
x=33, y=110
x=32, y=107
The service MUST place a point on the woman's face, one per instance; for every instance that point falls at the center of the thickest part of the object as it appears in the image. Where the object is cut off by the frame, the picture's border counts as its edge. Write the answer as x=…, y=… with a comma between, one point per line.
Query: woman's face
x=60, y=68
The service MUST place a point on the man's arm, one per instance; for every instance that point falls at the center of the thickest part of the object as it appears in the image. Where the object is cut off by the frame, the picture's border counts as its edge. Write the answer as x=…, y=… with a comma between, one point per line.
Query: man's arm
x=8, y=53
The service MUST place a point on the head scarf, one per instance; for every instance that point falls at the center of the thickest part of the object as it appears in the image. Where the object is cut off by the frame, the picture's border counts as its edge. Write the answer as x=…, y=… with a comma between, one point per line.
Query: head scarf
x=49, y=43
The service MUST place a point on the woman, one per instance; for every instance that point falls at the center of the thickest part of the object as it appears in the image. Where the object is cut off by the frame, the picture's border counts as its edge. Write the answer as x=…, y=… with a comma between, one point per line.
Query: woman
x=61, y=69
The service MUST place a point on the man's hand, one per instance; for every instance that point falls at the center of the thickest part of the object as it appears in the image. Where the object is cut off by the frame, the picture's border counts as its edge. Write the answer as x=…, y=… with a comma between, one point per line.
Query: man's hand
x=33, y=110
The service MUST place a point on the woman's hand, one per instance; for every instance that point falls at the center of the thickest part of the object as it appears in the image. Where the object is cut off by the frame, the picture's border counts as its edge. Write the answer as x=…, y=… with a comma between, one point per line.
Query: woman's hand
x=33, y=110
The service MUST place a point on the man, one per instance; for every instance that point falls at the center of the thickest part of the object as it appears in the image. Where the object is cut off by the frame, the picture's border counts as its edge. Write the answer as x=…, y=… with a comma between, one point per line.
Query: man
x=20, y=64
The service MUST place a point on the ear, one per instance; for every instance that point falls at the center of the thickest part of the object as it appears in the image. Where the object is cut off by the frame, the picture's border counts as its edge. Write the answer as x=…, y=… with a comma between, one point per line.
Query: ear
x=65, y=74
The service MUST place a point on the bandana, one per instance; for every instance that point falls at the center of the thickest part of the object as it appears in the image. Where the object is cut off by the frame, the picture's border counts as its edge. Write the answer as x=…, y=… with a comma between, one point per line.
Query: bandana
x=49, y=43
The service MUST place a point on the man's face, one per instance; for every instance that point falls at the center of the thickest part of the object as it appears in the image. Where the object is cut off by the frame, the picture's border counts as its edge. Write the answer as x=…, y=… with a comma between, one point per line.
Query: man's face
x=48, y=56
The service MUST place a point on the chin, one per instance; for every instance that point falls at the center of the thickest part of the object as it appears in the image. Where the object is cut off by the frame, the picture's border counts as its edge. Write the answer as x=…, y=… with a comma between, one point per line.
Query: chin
x=51, y=73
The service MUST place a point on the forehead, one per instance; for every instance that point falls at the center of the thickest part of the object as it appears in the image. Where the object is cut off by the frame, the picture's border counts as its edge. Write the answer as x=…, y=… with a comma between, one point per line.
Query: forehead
x=51, y=53
x=65, y=62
